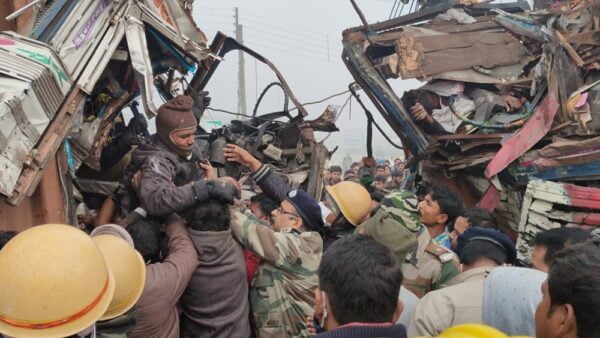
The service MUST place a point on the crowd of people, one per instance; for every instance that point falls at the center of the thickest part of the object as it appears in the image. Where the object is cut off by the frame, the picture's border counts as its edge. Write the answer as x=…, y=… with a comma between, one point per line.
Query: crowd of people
x=176, y=252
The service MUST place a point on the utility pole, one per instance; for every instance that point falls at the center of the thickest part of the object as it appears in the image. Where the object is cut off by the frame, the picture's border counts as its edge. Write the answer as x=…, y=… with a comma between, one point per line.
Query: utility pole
x=241, y=69
x=327, y=47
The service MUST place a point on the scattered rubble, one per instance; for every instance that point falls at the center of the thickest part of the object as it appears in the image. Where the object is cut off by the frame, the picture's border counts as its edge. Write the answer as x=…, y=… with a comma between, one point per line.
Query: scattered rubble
x=512, y=96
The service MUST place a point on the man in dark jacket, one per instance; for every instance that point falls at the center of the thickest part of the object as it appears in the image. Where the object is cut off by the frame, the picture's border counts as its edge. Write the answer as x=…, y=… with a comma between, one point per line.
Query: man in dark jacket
x=167, y=275
x=359, y=282
x=171, y=165
x=215, y=302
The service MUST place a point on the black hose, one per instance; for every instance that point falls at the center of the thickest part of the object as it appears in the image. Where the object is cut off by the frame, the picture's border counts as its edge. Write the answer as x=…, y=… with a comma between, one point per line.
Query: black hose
x=286, y=99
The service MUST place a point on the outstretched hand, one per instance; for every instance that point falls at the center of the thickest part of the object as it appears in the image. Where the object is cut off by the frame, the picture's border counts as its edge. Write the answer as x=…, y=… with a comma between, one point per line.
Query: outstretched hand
x=234, y=153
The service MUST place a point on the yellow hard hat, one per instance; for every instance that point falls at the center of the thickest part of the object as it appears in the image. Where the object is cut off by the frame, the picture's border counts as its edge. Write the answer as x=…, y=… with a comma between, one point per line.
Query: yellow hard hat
x=129, y=270
x=472, y=331
x=352, y=199
x=54, y=282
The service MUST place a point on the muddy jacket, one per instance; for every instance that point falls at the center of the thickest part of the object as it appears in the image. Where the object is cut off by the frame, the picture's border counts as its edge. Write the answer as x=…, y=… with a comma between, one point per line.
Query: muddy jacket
x=164, y=186
x=428, y=266
x=282, y=292
x=215, y=303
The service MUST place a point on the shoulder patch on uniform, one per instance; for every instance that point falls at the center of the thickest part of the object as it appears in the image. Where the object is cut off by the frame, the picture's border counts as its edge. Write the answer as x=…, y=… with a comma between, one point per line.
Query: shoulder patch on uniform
x=443, y=254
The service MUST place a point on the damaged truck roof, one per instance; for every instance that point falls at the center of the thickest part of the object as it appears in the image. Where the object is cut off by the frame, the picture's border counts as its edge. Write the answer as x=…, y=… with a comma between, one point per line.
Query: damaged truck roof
x=513, y=97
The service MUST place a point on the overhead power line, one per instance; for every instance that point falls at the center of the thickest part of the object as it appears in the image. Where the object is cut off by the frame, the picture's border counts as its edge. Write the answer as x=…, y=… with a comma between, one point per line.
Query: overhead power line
x=301, y=47
x=251, y=43
x=313, y=37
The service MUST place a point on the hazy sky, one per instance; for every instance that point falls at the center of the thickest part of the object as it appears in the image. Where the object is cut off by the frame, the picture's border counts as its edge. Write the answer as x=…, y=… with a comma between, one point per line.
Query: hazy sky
x=303, y=39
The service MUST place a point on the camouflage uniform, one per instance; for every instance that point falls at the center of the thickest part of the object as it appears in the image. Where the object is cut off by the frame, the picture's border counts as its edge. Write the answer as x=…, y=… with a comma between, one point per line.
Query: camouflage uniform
x=395, y=224
x=428, y=266
x=282, y=292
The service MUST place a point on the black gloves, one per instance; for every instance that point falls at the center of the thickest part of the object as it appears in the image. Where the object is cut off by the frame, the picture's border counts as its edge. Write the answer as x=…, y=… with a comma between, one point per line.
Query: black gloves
x=223, y=191
x=220, y=190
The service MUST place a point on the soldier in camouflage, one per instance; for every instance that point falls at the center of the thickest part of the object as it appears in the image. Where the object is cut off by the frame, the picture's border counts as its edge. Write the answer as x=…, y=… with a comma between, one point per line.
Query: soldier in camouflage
x=431, y=264
x=395, y=223
x=282, y=291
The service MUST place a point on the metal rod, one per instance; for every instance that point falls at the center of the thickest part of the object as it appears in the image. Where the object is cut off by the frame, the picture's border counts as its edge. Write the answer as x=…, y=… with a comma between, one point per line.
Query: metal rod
x=21, y=10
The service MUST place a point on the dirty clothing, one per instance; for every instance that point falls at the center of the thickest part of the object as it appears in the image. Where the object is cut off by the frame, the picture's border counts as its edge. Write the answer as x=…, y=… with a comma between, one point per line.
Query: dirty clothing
x=282, y=292
x=215, y=303
x=164, y=186
x=165, y=282
x=458, y=303
x=428, y=266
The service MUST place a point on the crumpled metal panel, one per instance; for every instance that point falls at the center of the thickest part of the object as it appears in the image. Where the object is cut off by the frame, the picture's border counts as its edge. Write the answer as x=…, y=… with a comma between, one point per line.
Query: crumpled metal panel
x=33, y=84
x=7, y=122
x=140, y=60
x=167, y=18
x=10, y=175
x=37, y=52
x=77, y=38
x=39, y=78
x=25, y=106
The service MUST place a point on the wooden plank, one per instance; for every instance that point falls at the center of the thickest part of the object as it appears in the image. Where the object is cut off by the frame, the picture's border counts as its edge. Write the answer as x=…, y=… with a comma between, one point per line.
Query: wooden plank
x=570, y=50
x=587, y=38
x=462, y=40
x=570, y=171
x=416, y=63
x=526, y=137
x=490, y=199
x=478, y=26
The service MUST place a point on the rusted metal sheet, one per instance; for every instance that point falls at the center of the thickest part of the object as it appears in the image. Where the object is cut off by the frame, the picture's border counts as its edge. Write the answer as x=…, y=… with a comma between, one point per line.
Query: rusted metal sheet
x=525, y=138
x=490, y=199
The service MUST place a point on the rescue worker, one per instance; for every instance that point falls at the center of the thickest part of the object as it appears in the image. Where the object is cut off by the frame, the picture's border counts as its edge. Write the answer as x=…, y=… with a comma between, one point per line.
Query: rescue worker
x=172, y=166
x=129, y=270
x=72, y=286
x=430, y=263
x=394, y=223
x=461, y=302
x=350, y=203
x=282, y=292
x=167, y=275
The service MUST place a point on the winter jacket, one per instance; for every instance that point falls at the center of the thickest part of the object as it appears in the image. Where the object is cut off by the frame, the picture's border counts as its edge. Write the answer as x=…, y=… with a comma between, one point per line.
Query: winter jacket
x=165, y=185
x=215, y=303
x=165, y=283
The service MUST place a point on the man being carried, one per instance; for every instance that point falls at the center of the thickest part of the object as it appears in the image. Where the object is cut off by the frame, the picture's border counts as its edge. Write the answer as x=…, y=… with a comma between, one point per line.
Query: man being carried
x=172, y=170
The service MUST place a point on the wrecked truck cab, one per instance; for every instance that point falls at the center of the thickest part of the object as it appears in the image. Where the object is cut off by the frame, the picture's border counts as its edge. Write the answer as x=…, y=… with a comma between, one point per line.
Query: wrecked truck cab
x=536, y=169
x=68, y=74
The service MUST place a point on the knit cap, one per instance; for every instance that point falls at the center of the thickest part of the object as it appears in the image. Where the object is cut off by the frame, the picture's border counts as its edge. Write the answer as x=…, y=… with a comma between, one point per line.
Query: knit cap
x=174, y=115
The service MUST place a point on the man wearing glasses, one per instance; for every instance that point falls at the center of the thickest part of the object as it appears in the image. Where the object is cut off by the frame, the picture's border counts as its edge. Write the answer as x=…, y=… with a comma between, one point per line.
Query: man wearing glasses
x=282, y=292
